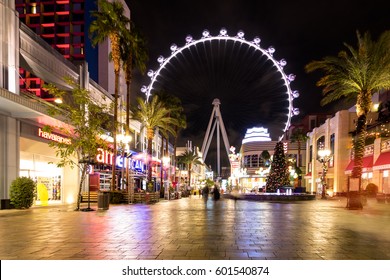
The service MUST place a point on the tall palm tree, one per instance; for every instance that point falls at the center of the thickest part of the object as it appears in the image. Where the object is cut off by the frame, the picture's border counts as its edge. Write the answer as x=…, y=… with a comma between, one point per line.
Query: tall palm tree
x=299, y=137
x=189, y=158
x=134, y=56
x=266, y=157
x=356, y=73
x=110, y=23
x=153, y=115
x=173, y=103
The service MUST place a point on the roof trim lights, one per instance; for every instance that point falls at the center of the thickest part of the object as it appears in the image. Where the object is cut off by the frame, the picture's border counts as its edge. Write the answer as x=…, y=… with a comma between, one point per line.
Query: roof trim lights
x=256, y=134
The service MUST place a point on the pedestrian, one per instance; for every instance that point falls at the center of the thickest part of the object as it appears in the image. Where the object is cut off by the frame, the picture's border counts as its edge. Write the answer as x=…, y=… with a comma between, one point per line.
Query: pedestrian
x=205, y=192
x=216, y=193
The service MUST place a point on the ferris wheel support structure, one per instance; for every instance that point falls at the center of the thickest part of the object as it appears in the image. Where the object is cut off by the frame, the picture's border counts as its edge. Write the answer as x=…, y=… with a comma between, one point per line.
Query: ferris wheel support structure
x=216, y=117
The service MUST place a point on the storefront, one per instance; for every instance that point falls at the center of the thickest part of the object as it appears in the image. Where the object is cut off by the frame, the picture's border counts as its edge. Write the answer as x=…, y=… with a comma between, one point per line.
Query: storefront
x=382, y=165
x=38, y=161
x=132, y=167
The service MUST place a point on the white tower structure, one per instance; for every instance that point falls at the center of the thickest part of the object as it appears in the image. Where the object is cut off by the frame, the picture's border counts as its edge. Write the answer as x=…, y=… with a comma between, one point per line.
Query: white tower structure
x=215, y=118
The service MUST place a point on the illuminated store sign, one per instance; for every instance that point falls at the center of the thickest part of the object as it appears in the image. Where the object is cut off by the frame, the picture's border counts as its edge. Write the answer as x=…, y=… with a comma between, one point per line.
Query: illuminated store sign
x=53, y=137
x=106, y=157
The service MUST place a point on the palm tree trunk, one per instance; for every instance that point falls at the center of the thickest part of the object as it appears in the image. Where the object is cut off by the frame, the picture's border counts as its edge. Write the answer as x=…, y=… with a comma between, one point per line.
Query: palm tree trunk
x=128, y=108
x=361, y=128
x=189, y=174
x=299, y=163
x=113, y=174
x=150, y=136
x=162, y=164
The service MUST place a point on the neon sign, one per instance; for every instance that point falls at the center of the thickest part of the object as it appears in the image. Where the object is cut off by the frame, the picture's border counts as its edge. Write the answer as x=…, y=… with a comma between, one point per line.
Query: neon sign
x=106, y=157
x=53, y=137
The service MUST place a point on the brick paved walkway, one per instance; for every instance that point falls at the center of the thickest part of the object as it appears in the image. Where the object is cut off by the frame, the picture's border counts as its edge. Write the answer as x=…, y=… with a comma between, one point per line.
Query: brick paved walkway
x=191, y=228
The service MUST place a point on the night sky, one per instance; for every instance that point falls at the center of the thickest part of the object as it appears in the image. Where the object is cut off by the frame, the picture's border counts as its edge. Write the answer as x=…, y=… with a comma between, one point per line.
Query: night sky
x=247, y=85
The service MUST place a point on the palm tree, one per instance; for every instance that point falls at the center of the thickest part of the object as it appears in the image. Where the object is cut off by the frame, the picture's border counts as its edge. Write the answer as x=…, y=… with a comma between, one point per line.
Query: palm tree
x=266, y=157
x=356, y=73
x=134, y=56
x=110, y=22
x=173, y=103
x=153, y=115
x=189, y=159
x=299, y=137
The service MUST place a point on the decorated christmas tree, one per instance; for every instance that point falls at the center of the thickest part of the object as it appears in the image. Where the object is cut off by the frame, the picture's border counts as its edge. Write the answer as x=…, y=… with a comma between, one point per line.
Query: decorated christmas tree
x=278, y=175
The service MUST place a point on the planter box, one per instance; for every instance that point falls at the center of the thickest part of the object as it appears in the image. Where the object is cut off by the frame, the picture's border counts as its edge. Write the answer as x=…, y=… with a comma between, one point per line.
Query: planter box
x=6, y=204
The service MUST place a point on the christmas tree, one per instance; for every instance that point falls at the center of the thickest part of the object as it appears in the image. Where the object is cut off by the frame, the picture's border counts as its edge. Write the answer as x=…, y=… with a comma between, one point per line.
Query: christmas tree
x=278, y=175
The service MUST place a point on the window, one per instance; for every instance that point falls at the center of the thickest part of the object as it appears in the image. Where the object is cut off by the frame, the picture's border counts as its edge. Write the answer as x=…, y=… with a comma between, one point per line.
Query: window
x=254, y=161
x=321, y=143
x=312, y=124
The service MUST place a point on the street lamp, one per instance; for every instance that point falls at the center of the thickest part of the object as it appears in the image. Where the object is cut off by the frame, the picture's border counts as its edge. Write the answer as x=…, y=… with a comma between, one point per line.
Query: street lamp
x=124, y=141
x=324, y=158
x=166, y=161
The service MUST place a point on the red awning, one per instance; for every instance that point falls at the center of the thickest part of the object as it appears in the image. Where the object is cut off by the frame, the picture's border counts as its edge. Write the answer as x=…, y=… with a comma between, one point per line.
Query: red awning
x=366, y=166
x=308, y=175
x=383, y=161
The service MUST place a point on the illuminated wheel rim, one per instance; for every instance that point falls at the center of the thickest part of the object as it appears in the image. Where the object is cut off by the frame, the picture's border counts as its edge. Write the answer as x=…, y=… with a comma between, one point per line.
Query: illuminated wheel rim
x=255, y=43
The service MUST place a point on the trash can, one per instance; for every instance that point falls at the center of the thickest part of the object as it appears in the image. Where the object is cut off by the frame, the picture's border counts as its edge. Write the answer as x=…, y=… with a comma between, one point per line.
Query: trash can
x=103, y=200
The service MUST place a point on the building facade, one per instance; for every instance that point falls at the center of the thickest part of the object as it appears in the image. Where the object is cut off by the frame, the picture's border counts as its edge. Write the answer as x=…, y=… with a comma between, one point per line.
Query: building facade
x=254, y=166
x=336, y=135
x=24, y=145
x=64, y=25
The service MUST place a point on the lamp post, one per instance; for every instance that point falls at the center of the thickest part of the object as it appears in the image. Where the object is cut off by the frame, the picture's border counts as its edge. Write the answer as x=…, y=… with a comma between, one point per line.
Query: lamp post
x=166, y=161
x=124, y=141
x=324, y=158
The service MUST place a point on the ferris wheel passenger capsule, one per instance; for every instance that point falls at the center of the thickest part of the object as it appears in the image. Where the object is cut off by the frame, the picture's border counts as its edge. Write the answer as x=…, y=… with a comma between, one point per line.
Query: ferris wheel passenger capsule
x=295, y=94
x=257, y=40
x=173, y=47
x=206, y=33
x=271, y=50
x=189, y=39
x=223, y=32
x=282, y=62
x=240, y=34
x=160, y=59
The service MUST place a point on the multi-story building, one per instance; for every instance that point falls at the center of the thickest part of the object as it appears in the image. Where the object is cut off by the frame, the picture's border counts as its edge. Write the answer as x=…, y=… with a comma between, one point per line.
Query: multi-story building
x=254, y=168
x=336, y=135
x=25, y=150
x=198, y=171
x=64, y=26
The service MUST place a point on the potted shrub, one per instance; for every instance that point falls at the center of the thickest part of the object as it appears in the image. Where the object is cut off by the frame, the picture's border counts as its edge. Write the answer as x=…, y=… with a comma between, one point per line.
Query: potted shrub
x=22, y=192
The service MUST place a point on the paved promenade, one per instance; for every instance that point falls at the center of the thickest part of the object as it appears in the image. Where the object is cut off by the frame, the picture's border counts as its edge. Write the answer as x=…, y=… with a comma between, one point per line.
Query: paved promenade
x=191, y=228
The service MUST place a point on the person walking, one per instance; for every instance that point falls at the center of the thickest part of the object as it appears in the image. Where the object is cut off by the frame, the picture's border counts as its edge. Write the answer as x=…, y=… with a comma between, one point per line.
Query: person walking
x=216, y=193
x=205, y=193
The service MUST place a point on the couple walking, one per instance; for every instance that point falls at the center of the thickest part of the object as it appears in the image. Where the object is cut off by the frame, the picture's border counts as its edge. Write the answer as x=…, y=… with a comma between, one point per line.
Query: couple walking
x=215, y=192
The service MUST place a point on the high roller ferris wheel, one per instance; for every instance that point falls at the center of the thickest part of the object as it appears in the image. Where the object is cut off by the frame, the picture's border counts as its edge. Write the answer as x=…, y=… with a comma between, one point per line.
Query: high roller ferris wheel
x=279, y=65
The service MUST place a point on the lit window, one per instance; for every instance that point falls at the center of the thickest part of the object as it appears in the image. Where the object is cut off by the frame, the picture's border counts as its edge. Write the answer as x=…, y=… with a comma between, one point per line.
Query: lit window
x=385, y=173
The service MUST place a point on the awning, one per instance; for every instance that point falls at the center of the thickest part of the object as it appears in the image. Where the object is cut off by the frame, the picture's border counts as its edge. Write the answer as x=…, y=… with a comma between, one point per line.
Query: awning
x=308, y=175
x=383, y=161
x=366, y=166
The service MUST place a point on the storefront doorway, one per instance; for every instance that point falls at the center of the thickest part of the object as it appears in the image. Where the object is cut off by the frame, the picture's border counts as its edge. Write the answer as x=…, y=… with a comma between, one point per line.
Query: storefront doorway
x=37, y=162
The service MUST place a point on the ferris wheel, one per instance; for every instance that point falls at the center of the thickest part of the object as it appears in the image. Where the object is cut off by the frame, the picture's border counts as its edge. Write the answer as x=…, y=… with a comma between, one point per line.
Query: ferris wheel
x=179, y=53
